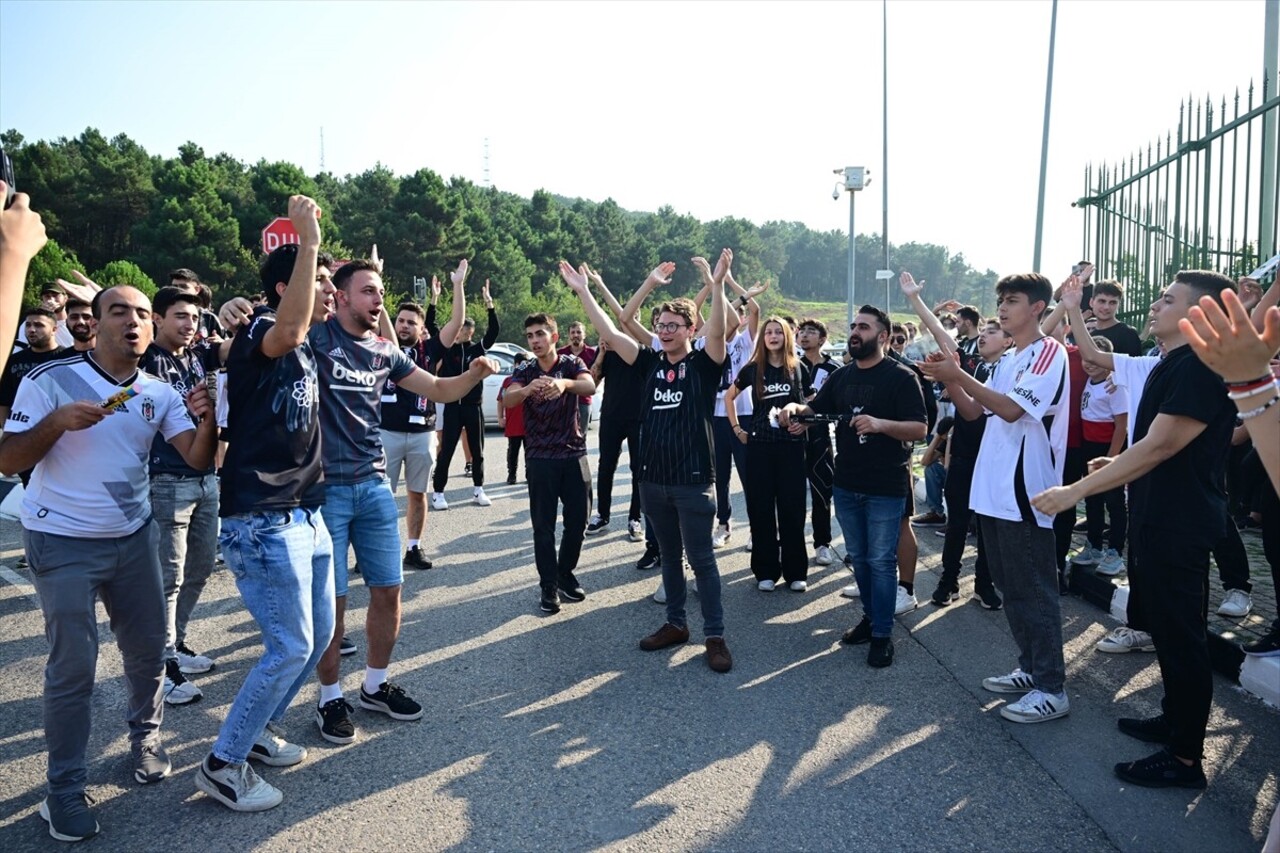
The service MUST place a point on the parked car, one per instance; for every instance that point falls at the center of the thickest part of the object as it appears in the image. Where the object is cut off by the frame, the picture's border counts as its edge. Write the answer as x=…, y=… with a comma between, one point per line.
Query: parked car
x=506, y=362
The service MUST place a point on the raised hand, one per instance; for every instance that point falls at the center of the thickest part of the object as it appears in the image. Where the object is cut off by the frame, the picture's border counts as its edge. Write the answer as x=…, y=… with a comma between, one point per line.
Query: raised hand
x=305, y=214
x=459, y=276
x=85, y=290
x=21, y=231
x=758, y=289
x=704, y=269
x=724, y=266
x=1228, y=342
x=593, y=276
x=484, y=292
x=435, y=288
x=1072, y=292
x=576, y=279
x=661, y=274
x=1250, y=292
x=910, y=287
x=374, y=259
x=938, y=367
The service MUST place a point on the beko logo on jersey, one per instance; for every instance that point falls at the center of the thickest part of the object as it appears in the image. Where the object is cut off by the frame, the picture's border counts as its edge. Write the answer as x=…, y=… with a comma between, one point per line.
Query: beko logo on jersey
x=667, y=396
x=347, y=374
x=777, y=388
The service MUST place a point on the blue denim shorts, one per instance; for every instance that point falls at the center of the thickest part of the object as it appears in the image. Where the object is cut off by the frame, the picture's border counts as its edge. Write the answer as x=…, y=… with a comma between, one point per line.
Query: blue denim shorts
x=364, y=516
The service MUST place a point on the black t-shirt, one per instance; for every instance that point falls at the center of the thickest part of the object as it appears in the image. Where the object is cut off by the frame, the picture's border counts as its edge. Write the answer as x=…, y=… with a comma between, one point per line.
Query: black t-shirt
x=273, y=459
x=455, y=360
x=1123, y=339
x=1184, y=493
x=623, y=394
x=551, y=427
x=778, y=390
x=926, y=389
x=183, y=372
x=404, y=411
x=872, y=464
x=22, y=362
x=675, y=433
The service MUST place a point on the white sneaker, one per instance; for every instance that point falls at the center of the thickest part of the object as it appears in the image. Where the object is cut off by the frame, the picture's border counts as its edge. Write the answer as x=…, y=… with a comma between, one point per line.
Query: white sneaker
x=237, y=787
x=1086, y=556
x=748, y=544
x=480, y=498
x=1125, y=639
x=660, y=595
x=721, y=537
x=824, y=556
x=1111, y=563
x=191, y=663
x=765, y=585
x=1238, y=603
x=177, y=689
x=635, y=530
x=1037, y=707
x=438, y=501
x=1015, y=682
x=799, y=586
x=850, y=591
x=271, y=748
x=906, y=602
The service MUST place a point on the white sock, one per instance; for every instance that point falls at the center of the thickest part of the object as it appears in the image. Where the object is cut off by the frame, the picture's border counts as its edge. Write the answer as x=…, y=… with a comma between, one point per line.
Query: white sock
x=413, y=543
x=329, y=692
x=478, y=490
x=374, y=679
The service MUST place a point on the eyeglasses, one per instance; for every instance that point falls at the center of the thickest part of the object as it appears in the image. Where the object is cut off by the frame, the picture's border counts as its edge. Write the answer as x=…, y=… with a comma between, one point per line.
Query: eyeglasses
x=669, y=327
x=897, y=339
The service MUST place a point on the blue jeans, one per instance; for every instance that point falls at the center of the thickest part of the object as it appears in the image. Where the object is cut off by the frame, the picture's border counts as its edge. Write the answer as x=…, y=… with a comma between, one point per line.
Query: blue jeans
x=870, y=524
x=283, y=565
x=682, y=517
x=935, y=478
x=364, y=515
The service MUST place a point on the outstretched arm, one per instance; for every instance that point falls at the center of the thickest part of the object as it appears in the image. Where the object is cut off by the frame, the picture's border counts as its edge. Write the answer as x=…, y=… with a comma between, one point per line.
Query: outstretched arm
x=661, y=275
x=911, y=289
x=491, y=330
x=450, y=331
x=625, y=346
x=21, y=237
x=628, y=323
x=714, y=338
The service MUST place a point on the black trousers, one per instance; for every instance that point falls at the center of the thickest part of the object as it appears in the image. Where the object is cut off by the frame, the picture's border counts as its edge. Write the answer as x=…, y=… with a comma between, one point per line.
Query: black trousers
x=1072, y=470
x=612, y=432
x=959, y=481
x=820, y=467
x=775, y=507
x=1175, y=602
x=553, y=482
x=1269, y=506
x=1111, y=503
x=514, y=443
x=459, y=416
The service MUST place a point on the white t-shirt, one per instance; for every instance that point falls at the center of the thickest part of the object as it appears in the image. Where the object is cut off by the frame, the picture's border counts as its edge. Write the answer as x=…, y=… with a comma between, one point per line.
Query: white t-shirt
x=1037, y=379
x=737, y=352
x=1097, y=406
x=93, y=482
x=1131, y=372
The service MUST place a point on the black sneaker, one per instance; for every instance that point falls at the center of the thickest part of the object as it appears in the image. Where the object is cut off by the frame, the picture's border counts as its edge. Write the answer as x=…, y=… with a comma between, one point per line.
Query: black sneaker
x=1162, y=770
x=69, y=817
x=570, y=590
x=334, y=720
x=989, y=597
x=1150, y=729
x=414, y=559
x=549, y=603
x=392, y=701
x=511, y=479
x=945, y=595
x=858, y=634
x=881, y=653
x=597, y=524
x=652, y=558
x=1268, y=646
x=1064, y=584
x=346, y=647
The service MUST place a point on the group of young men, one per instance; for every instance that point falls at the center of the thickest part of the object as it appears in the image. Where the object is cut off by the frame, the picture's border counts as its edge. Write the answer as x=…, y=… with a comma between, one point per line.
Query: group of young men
x=322, y=408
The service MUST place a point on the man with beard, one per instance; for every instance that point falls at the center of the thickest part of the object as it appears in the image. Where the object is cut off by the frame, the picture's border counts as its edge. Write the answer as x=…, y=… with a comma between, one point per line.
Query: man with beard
x=39, y=328
x=83, y=423
x=184, y=500
x=53, y=299
x=578, y=347
x=81, y=324
x=882, y=412
x=353, y=365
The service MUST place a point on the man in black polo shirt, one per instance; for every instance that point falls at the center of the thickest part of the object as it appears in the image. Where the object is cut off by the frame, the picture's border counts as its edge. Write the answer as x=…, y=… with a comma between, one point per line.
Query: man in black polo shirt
x=1177, y=510
x=550, y=386
x=676, y=467
x=1105, y=302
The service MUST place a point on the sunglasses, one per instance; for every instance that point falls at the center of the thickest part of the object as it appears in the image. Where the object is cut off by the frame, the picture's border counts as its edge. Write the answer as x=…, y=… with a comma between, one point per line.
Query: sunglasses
x=898, y=339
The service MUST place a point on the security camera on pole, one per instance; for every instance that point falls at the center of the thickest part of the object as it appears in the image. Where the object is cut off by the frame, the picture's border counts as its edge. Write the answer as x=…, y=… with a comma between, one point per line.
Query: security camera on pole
x=855, y=178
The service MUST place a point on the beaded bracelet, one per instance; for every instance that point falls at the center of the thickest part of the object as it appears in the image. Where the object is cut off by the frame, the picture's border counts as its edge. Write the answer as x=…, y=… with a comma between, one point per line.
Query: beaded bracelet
x=1252, y=392
x=1253, y=413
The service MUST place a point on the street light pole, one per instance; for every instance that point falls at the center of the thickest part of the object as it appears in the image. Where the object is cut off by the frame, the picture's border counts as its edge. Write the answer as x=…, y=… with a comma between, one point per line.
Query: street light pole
x=1044, y=144
x=852, y=254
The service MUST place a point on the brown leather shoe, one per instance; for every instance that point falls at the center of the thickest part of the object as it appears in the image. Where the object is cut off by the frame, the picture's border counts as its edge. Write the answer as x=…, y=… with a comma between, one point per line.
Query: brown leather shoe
x=667, y=635
x=718, y=657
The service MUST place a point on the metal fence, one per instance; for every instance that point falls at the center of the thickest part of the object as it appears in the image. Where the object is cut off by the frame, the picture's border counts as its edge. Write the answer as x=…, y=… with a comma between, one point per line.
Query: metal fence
x=1203, y=198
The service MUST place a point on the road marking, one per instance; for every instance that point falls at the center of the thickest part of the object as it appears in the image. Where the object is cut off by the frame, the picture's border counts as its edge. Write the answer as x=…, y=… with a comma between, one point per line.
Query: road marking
x=13, y=577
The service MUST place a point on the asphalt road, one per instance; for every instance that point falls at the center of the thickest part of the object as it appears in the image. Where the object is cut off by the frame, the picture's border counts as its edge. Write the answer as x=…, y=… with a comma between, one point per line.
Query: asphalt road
x=558, y=733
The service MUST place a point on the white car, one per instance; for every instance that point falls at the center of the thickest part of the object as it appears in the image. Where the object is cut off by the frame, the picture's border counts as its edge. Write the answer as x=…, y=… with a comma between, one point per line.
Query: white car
x=502, y=354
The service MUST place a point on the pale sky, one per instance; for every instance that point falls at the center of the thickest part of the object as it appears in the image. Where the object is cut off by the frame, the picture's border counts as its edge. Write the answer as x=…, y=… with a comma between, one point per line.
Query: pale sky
x=716, y=108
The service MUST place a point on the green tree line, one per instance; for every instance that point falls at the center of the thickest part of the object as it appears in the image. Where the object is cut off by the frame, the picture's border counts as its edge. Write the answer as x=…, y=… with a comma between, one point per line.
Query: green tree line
x=125, y=216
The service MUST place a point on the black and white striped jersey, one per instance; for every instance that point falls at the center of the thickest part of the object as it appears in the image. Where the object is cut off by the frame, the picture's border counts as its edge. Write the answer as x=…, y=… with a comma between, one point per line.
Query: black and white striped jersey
x=675, y=434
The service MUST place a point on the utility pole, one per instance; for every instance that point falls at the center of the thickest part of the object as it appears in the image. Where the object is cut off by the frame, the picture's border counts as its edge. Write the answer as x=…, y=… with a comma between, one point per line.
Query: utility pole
x=1044, y=145
x=1270, y=125
x=884, y=166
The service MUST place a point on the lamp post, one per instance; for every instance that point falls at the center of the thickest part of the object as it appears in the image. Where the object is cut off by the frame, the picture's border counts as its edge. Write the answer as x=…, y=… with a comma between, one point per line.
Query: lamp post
x=854, y=178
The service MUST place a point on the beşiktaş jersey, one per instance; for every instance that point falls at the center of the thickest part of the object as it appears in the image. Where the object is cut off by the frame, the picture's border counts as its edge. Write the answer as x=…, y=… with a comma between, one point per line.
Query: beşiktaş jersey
x=1098, y=410
x=675, y=435
x=273, y=457
x=737, y=353
x=404, y=411
x=778, y=389
x=93, y=482
x=182, y=372
x=352, y=372
x=1131, y=373
x=551, y=427
x=1021, y=459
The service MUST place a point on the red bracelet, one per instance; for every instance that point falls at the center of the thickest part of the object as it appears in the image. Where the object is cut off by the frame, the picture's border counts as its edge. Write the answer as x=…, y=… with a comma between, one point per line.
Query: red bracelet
x=1252, y=383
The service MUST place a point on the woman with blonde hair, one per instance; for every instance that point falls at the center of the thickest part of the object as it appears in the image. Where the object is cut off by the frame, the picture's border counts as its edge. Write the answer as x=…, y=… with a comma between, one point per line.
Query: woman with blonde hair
x=775, y=485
